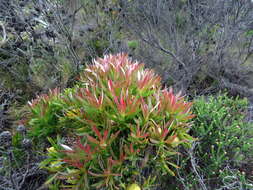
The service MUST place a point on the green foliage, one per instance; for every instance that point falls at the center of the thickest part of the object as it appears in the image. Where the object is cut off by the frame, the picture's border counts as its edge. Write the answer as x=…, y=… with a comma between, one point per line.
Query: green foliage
x=249, y=33
x=17, y=150
x=125, y=124
x=225, y=139
x=13, y=155
x=44, y=113
x=220, y=123
x=133, y=44
x=235, y=179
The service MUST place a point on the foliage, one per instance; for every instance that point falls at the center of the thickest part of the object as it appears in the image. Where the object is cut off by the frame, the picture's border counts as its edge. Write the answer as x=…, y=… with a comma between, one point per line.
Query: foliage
x=224, y=142
x=44, y=113
x=133, y=44
x=127, y=125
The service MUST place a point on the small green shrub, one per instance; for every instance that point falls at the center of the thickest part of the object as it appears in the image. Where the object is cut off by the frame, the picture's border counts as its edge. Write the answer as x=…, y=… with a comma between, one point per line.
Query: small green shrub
x=225, y=141
x=127, y=128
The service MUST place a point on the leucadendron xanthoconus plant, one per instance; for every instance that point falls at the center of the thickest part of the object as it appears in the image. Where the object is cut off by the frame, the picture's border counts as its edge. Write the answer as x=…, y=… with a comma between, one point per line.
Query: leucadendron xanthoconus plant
x=125, y=124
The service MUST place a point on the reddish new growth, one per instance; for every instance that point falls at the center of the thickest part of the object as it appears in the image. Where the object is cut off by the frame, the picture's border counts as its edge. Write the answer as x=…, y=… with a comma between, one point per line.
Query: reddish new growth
x=122, y=115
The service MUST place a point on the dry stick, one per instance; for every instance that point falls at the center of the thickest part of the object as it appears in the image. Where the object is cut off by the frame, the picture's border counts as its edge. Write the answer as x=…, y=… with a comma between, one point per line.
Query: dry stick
x=67, y=36
x=181, y=179
x=158, y=46
x=13, y=182
x=4, y=34
x=26, y=173
x=193, y=163
x=73, y=18
x=249, y=51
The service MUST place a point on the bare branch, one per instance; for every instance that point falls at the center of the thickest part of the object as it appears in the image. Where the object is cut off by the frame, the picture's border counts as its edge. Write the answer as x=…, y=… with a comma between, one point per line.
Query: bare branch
x=4, y=40
x=194, y=165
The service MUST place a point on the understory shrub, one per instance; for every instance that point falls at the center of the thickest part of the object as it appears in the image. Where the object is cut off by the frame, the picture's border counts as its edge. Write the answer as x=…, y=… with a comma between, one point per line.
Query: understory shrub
x=221, y=158
x=117, y=128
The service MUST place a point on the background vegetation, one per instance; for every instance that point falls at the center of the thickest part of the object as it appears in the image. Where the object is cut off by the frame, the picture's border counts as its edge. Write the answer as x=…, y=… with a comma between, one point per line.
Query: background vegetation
x=202, y=48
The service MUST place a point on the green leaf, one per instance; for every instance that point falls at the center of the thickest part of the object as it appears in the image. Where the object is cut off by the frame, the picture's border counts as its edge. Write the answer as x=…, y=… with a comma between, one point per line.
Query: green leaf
x=249, y=33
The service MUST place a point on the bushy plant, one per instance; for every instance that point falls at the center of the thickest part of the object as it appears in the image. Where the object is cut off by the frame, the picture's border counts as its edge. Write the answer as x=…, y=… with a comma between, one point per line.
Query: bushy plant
x=224, y=141
x=126, y=127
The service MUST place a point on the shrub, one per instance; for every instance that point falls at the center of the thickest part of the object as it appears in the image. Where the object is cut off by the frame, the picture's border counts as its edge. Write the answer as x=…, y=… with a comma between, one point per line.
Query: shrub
x=224, y=143
x=182, y=38
x=127, y=128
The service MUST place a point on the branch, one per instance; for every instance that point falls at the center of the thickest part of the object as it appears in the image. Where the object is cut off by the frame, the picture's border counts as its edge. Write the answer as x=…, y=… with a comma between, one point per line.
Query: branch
x=249, y=51
x=4, y=34
x=244, y=91
x=193, y=163
x=27, y=171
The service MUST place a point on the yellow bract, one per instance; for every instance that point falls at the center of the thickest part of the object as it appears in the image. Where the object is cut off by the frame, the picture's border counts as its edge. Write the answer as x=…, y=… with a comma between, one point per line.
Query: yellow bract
x=175, y=142
x=72, y=113
x=51, y=150
x=134, y=186
x=55, y=165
